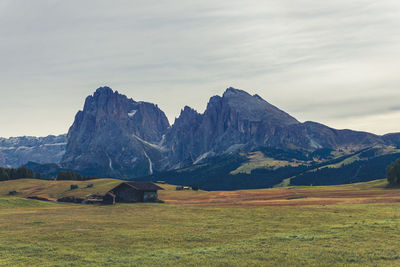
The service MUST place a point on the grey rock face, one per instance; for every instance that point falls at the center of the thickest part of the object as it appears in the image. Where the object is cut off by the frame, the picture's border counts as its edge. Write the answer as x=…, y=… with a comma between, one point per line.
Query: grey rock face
x=181, y=139
x=17, y=151
x=234, y=122
x=115, y=136
x=238, y=122
x=118, y=137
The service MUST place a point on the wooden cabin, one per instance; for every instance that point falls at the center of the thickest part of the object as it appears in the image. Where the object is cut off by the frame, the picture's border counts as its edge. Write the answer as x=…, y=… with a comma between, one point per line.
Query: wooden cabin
x=132, y=192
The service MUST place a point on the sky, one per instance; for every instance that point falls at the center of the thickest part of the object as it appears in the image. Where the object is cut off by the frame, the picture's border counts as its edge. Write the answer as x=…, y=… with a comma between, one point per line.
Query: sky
x=334, y=62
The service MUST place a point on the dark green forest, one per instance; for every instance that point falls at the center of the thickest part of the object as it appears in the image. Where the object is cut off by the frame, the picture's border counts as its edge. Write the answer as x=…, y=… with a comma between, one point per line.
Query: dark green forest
x=15, y=173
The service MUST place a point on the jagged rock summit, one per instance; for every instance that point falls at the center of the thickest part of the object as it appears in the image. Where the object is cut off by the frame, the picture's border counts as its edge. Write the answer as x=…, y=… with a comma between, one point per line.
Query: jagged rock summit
x=233, y=122
x=239, y=122
x=115, y=136
x=118, y=137
x=253, y=108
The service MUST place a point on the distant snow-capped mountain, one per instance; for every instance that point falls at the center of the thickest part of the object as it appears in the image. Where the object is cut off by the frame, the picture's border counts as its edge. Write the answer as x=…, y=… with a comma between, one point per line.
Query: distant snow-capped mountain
x=17, y=151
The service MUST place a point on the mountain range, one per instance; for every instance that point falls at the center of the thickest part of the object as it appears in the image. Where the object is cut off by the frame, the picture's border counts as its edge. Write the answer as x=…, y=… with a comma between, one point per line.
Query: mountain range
x=17, y=151
x=240, y=141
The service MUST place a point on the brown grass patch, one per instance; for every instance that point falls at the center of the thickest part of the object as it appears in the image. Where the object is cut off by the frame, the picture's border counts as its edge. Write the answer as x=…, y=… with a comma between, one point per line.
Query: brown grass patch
x=361, y=193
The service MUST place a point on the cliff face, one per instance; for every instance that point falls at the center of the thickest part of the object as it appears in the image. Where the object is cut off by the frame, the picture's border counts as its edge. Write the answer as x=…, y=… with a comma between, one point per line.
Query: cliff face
x=17, y=151
x=240, y=122
x=182, y=141
x=115, y=136
x=234, y=122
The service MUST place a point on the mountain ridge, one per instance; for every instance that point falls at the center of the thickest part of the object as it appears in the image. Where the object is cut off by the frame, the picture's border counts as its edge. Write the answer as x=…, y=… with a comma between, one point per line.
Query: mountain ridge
x=17, y=151
x=104, y=140
x=116, y=136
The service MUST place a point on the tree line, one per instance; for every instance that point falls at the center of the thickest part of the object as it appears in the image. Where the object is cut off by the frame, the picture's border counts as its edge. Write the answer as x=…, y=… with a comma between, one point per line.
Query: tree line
x=393, y=173
x=23, y=172
x=70, y=175
x=17, y=173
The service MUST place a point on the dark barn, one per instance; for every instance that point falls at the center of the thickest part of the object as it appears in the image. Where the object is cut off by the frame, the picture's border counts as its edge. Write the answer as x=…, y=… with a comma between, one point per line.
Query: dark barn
x=132, y=192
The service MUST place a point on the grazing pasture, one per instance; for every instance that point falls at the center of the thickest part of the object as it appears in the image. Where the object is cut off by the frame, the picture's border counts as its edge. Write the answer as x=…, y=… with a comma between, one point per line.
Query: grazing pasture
x=200, y=228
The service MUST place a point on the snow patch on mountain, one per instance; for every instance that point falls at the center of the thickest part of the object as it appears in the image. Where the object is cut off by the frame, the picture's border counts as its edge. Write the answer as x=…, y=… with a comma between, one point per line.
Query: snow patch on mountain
x=204, y=156
x=150, y=163
x=132, y=113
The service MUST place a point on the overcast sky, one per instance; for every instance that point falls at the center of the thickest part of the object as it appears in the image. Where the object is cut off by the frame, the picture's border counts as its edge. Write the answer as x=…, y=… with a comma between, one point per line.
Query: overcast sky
x=334, y=62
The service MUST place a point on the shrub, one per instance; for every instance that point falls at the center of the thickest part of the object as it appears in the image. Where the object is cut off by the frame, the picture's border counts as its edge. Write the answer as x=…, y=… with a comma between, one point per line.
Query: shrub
x=68, y=175
x=74, y=186
x=393, y=173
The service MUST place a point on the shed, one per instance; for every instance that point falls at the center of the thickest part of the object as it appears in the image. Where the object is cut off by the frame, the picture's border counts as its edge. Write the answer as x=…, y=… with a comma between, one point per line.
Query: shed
x=133, y=192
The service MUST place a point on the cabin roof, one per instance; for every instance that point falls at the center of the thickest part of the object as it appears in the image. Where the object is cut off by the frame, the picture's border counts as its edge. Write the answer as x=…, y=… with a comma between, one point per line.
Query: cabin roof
x=144, y=186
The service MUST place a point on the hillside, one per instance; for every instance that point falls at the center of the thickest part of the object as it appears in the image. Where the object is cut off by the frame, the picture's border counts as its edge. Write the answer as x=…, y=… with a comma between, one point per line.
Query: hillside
x=56, y=189
x=269, y=167
x=369, y=192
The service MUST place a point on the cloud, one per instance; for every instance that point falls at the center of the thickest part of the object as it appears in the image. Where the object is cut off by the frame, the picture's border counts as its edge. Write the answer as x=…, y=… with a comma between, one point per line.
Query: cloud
x=319, y=60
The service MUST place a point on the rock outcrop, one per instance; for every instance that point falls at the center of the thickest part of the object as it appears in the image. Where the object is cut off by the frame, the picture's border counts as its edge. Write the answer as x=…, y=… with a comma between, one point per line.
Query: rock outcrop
x=240, y=122
x=115, y=136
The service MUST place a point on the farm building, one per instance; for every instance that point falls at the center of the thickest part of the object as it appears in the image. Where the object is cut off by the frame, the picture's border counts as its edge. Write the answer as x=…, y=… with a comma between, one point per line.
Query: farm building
x=132, y=192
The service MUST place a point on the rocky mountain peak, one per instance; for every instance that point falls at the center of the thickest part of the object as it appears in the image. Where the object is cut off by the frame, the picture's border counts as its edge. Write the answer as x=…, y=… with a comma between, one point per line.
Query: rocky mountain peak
x=251, y=107
x=187, y=109
x=188, y=112
x=105, y=90
x=187, y=116
x=105, y=99
x=233, y=92
x=115, y=135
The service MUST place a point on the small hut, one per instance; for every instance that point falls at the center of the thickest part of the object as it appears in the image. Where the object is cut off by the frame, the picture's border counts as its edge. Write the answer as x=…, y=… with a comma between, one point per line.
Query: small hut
x=133, y=192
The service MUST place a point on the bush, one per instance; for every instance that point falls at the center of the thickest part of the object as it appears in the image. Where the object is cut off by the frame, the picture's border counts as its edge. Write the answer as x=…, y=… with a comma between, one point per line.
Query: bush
x=393, y=173
x=74, y=176
x=68, y=175
x=73, y=186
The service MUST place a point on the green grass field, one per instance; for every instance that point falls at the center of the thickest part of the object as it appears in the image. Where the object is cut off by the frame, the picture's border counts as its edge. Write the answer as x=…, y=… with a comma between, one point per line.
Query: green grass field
x=257, y=160
x=39, y=233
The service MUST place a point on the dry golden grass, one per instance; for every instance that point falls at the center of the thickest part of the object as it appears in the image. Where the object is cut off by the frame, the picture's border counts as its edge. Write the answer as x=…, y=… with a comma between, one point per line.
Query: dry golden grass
x=270, y=227
x=360, y=193
x=56, y=189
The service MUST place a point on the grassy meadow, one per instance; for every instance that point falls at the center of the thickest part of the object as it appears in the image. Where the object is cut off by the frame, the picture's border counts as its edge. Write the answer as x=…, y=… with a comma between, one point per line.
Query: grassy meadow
x=40, y=233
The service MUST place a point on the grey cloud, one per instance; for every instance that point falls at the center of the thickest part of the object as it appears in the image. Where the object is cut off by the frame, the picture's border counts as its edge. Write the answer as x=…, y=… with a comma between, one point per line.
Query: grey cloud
x=307, y=57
